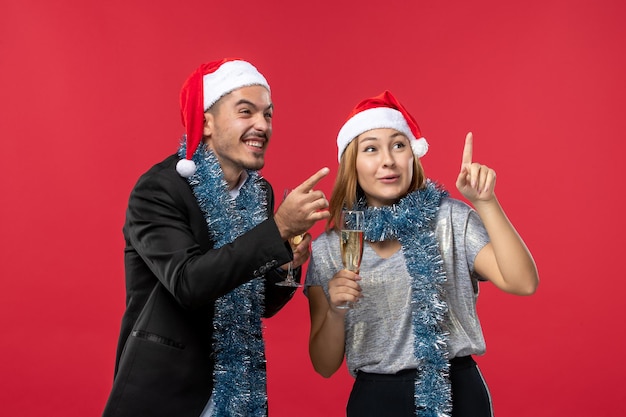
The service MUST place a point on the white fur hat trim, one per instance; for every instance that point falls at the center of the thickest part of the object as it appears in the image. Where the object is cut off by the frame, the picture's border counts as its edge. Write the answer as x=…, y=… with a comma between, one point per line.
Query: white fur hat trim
x=230, y=76
x=378, y=118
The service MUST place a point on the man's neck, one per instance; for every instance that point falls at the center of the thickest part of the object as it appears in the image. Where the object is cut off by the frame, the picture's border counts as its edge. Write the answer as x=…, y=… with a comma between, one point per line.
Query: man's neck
x=234, y=190
x=233, y=177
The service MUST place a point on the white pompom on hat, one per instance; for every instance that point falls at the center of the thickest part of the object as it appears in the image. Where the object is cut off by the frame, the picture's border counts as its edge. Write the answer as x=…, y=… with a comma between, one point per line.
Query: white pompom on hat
x=204, y=87
x=382, y=111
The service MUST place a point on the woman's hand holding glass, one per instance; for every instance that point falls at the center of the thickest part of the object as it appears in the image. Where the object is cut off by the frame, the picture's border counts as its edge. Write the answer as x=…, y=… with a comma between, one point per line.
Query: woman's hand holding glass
x=351, y=246
x=344, y=289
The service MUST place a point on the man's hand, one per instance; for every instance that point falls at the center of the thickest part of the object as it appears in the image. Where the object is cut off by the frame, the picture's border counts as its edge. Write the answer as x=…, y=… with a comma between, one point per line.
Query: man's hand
x=302, y=208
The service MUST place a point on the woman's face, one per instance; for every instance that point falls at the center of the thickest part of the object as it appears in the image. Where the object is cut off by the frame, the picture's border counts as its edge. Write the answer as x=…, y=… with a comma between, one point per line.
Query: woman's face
x=384, y=165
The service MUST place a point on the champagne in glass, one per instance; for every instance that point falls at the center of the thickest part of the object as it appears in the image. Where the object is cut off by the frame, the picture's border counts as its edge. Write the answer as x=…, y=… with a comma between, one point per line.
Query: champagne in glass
x=351, y=249
x=351, y=242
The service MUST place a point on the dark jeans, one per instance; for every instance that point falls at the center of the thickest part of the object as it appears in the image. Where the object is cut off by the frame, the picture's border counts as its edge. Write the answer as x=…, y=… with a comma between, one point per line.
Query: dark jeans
x=376, y=395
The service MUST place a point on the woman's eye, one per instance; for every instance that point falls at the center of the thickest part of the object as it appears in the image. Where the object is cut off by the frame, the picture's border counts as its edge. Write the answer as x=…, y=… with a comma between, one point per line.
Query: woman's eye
x=399, y=145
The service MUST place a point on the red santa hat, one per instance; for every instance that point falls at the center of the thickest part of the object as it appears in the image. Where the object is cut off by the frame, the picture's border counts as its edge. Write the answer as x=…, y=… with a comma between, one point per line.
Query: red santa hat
x=382, y=111
x=207, y=84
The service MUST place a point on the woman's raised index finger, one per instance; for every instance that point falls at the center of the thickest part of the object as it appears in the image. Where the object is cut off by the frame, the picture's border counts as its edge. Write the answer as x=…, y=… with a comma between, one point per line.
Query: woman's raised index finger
x=468, y=149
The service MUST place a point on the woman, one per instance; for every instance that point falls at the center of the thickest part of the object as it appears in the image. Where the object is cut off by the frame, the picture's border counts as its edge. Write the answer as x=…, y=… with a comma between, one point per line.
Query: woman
x=410, y=337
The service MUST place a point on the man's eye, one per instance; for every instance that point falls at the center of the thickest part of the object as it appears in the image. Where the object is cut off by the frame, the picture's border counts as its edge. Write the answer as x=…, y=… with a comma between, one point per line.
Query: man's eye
x=269, y=115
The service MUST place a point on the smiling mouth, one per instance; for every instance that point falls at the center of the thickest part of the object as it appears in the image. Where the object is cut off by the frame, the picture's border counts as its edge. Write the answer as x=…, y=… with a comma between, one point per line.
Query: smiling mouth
x=254, y=143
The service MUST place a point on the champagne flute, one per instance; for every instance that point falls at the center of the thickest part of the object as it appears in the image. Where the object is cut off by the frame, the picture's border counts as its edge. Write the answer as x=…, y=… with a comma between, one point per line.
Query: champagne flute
x=351, y=243
x=290, y=280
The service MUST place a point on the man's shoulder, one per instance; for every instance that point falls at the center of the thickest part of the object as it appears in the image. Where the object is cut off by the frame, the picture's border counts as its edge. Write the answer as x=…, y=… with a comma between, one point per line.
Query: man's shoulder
x=165, y=167
x=161, y=175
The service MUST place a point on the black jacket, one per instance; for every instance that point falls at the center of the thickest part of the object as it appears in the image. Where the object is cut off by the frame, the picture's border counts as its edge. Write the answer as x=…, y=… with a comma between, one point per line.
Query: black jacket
x=164, y=358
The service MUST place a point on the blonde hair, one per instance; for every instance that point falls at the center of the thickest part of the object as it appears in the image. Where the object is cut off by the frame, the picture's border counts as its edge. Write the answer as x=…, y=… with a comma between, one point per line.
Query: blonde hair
x=347, y=191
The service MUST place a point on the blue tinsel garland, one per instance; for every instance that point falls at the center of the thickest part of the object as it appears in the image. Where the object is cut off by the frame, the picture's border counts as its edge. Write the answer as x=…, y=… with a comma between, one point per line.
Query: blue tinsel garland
x=412, y=222
x=239, y=375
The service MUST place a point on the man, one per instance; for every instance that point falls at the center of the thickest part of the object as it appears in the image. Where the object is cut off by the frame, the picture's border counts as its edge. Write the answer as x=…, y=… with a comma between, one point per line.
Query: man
x=203, y=254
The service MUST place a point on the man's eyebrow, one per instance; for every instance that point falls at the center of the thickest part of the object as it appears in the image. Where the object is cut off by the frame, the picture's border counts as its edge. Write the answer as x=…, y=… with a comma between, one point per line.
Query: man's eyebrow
x=251, y=104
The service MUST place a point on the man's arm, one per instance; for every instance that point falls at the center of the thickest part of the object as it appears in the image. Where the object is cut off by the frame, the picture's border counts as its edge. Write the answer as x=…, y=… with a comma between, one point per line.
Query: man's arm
x=164, y=225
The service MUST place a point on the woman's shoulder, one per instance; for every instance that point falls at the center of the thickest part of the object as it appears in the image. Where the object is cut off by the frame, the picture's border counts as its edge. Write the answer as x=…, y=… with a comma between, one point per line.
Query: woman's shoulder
x=453, y=205
x=325, y=238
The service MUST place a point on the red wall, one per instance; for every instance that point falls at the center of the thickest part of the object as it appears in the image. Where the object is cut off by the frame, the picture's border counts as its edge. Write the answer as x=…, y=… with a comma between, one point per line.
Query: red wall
x=89, y=100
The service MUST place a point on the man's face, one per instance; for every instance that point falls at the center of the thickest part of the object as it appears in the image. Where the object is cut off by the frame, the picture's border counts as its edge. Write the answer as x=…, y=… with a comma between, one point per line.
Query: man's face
x=238, y=129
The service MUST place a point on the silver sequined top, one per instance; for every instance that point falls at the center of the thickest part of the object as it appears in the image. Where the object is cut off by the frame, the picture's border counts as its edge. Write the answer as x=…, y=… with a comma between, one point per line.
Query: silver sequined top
x=379, y=337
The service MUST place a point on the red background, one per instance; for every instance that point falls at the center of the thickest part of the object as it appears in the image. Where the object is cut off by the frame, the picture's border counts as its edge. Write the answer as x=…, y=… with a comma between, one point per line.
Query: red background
x=89, y=100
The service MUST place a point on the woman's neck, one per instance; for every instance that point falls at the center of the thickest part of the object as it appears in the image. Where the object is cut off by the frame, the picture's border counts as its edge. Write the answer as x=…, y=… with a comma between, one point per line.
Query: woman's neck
x=385, y=248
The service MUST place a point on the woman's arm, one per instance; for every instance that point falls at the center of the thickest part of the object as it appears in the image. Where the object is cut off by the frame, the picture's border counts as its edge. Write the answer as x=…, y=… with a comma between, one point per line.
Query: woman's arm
x=327, y=339
x=505, y=261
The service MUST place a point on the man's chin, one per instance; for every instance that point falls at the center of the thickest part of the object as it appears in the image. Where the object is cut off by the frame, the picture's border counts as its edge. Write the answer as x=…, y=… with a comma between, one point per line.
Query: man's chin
x=256, y=164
